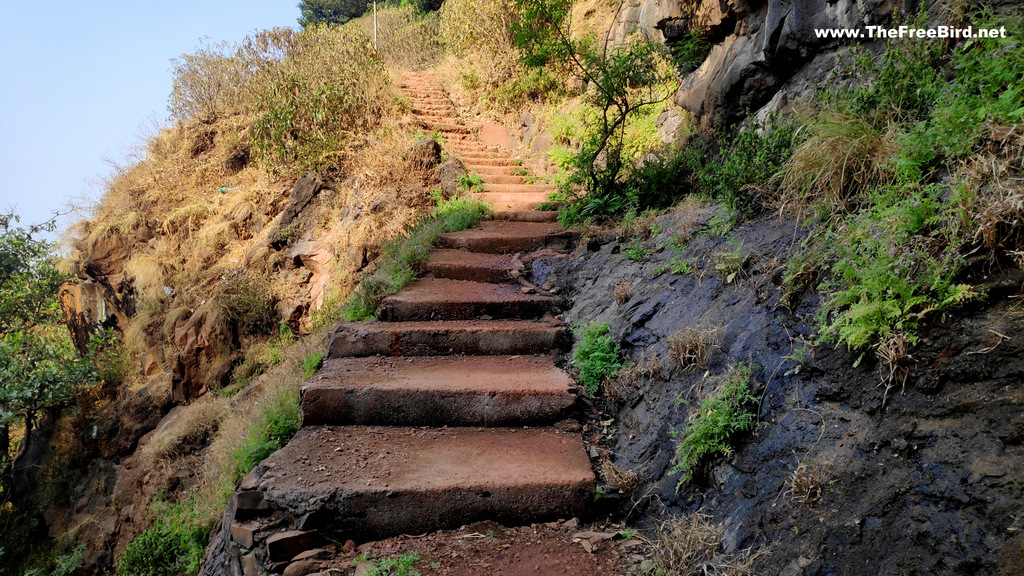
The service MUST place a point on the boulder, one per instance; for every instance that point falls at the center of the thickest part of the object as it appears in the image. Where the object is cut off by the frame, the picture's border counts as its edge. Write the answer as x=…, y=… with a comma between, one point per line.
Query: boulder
x=449, y=174
x=425, y=154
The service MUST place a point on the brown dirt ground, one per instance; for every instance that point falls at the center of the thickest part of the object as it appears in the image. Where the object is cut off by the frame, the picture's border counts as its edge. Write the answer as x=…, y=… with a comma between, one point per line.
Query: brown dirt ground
x=489, y=549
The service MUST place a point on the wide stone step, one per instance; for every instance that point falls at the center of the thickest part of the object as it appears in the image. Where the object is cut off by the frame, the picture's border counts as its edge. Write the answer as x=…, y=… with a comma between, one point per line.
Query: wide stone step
x=526, y=215
x=497, y=237
x=473, y=337
x=517, y=188
x=447, y=391
x=507, y=179
x=380, y=481
x=482, y=162
x=518, y=201
x=465, y=265
x=442, y=299
x=506, y=170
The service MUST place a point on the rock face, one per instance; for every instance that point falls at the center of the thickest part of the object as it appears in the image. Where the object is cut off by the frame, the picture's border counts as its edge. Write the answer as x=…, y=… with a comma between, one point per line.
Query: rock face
x=757, y=45
x=829, y=482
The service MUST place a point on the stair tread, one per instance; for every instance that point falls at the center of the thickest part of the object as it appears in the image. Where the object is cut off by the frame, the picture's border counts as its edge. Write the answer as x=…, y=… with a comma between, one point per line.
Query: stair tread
x=441, y=337
x=445, y=299
x=446, y=390
x=390, y=480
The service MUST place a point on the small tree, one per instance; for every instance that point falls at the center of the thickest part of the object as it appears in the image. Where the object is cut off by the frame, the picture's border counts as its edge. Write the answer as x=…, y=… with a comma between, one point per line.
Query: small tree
x=40, y=370
x=330, y=11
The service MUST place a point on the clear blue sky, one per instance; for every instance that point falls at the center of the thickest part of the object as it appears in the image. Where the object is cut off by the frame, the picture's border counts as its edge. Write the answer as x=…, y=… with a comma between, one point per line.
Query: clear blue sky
x=78, y=80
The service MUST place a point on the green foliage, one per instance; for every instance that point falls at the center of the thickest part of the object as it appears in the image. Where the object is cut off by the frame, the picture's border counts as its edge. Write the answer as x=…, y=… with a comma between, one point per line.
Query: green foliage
x=314, y=12
x=533, y=85
x=471, y=182
x=629, y=83
x=173, y=546
x=401, y=256
x=689, y=52
x=312, y=364
x=401, y=566
x=330, y=84
x=637, y=252
x=722, y=415
x=596, y=355
x=277, y=422
x=897, y=243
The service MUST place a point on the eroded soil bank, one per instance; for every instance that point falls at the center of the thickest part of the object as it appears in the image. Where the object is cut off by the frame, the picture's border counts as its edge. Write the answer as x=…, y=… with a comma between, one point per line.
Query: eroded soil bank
x=829, y=481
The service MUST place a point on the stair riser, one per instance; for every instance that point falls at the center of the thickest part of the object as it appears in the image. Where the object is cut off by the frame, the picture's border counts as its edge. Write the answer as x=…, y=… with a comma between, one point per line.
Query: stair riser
x=405, y=311
x=357, y=340
x=526, y=216
x=455, y=271
x=501, y=245
x=375, y=406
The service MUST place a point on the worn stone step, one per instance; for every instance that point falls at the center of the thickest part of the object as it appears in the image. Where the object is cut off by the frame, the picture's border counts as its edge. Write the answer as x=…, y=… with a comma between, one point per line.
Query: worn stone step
x=506, y=237
x=497, y=170
x=443, y=299
x=516, y=201
x=373, y=482
x=517, y=188
x=473, y=337
x=481, y=162
x=526, y=215
x=444, y=127
x=447, y=391
x=465, y=265
x=507, y=179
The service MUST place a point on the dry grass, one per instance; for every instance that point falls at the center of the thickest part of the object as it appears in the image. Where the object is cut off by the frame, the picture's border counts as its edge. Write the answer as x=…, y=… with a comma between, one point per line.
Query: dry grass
x=808, y=482
x=199, y=424
x=693, y=346
x=629, y=379
x=892, y=352
x=623, y=292
x=625, y=480
x=841, y=158
x=689, y=545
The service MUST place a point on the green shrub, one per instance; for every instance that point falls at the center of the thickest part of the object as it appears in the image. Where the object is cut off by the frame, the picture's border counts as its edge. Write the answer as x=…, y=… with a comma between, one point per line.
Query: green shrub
x=471, y=182
x=277, y=422
x=721, y=416
x=596, y=355
x=173, y=546
x=397, y=265
x=401, y=566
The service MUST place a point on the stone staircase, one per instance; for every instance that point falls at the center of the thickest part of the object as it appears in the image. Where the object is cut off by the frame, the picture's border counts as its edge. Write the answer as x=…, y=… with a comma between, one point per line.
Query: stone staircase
x=448, y=410
x=507, y=185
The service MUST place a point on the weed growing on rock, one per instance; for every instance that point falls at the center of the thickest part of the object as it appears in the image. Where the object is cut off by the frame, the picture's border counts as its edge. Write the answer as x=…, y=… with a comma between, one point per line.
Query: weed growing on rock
x=401, y=566
x=312, y=364
x=623, y=292
x=637, y=252
x=596, y=355
x=471, y=182
x=723, y=414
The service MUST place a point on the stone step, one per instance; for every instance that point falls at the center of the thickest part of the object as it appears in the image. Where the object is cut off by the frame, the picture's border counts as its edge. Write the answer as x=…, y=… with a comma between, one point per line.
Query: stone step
x=497, y=170
x=447, y=391
x=506, y=179
x=342, y=481
x=474, y=337
x=498, y=237
x=442, y=127
x=475, y=266
x=489, y=162
x=443, y=299
x=526, y=215
x=518, y=201
x=518, y=188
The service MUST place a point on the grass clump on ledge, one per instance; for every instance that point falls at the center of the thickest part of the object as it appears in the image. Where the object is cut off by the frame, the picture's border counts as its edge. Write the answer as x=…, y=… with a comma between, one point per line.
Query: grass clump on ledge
x=401, y=257
x=721, y=415
x=596, y=355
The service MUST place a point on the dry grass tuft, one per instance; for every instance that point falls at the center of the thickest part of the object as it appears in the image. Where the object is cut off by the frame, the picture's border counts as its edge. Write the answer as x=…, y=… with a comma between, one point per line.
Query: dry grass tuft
x=689, y=545
x=808, y=482
x=693, y=346
x=199, y=423
x=623, y=292
x=625, y=480
x=842, y=158
x=628, y=380
x=891, y=353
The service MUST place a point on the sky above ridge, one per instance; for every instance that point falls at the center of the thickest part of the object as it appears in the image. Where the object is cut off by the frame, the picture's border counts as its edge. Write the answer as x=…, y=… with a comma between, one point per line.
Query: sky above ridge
x=82, y=82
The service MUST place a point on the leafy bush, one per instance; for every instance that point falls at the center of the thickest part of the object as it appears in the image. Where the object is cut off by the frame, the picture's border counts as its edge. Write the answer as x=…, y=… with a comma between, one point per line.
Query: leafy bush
x=401, y=566
x=173, y=546
x=397, y=265
x=596, y=355
x=721, y=415
x=278, y=421
x=330, y=84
